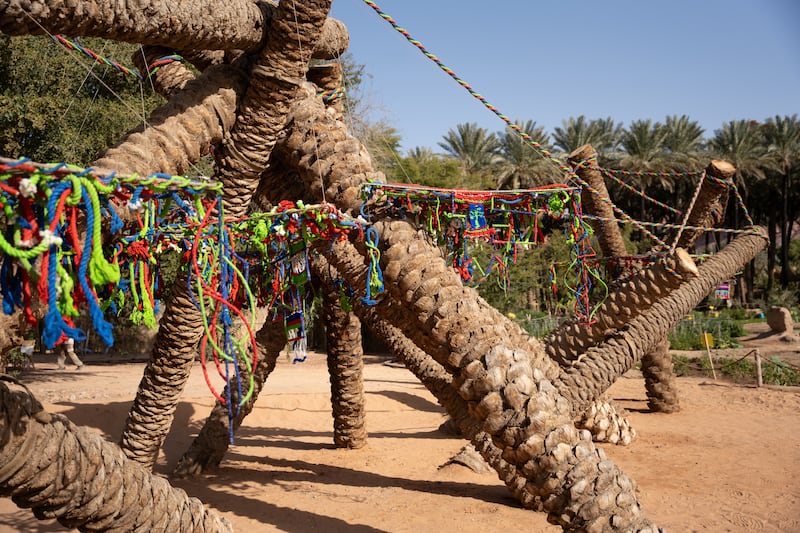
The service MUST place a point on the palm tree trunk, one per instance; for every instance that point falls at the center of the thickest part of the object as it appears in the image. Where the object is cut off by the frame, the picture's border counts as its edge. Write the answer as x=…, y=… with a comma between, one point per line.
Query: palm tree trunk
x=71, y=474
x=506, y=389
x=434, y=377
x=164, y=377
x=597, y=203
x=707, y=211
x=772, y=233
x=709, y=207
x=189, y=25
x=274, y=84
x=627, y=300
x=346, y=369
x=786, y=229
x=209, y=447
x=602, y=365
x=183, y=129
x=607, y=422
x=659, y=379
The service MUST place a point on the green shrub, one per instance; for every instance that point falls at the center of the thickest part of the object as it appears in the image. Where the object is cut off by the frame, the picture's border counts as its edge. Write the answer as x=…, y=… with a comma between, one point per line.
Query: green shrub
x=775, y=371
x=680, y=364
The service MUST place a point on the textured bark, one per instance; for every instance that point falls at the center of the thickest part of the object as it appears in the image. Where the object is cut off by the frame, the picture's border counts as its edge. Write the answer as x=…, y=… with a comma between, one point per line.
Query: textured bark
x=434, y=377
x=707, y=211
x=70, y=473
x=327, y=157
x=598, y=203
x=602, y=365
x=209, y=447
x=346, y=369
x=659, y=379
x=164, y=377
x=627, y=300
x=195, y=25
x=607, y=422
x=183, y=129
x=710, y=203
x=506, y=389
x=274, y=82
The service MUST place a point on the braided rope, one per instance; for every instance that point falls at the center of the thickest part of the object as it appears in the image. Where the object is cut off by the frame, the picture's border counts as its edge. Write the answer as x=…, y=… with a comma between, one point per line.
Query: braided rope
x=152, y=68
x=611, y=174
x=653, y=174
x=688, y=214
x=747, y=231
x=525, y=136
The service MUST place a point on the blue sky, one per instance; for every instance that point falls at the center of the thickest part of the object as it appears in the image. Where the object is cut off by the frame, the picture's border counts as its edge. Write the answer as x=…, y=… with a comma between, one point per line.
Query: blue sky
x=713, y=60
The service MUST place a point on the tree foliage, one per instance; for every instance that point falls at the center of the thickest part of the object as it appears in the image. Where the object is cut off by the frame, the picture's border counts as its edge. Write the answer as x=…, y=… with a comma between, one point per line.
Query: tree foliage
x=56, y=105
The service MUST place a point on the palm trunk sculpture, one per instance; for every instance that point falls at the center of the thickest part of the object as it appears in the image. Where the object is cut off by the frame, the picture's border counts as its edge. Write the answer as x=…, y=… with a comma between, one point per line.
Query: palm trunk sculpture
x=75, y=476
x=705, y=211
x=517, y=403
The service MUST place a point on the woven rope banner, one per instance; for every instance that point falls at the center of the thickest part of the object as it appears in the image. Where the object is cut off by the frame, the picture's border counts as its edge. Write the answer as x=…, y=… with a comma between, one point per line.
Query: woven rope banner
x=65, y=242
x=506, y=221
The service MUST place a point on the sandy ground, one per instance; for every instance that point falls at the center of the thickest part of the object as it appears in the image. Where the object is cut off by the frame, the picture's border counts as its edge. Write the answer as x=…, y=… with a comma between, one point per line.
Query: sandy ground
x=728, y=461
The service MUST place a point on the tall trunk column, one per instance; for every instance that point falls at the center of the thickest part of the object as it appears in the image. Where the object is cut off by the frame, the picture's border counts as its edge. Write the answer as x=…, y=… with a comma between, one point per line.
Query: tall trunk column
x=598, y=203
x=346, y=369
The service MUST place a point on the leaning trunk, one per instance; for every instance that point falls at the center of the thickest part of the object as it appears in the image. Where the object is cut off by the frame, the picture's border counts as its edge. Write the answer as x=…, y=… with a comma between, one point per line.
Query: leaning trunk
x=506, y=394
x=209, y=103
x=198, y=25
x=602, y=365
x=595, y=200
x=70, y=473
x=242, y=160
x=182, y=130
x=628, y=300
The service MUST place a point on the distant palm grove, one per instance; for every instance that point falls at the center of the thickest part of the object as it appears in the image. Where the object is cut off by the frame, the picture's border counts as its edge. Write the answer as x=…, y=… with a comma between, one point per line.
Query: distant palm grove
x=50, y=110
x=766, y=154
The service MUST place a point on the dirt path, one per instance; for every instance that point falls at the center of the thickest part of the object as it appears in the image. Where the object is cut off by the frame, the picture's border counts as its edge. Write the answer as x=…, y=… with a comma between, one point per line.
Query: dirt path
x=728, y=461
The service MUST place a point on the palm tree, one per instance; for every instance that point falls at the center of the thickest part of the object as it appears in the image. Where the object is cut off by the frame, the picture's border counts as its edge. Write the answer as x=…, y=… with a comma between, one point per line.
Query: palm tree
x=782, y=137
x=522, y=166
x=473, y=146
x=643, y=151
x=684, y=142
x=741, y=142
x=602, y=133
x=685, y=147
